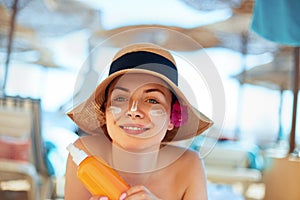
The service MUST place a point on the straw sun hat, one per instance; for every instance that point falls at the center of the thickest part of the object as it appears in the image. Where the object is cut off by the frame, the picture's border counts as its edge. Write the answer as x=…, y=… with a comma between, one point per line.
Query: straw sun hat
x=147, y=59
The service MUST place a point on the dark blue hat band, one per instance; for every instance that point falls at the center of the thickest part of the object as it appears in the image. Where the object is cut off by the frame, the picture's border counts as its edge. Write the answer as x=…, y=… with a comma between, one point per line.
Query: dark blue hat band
x=146, y=60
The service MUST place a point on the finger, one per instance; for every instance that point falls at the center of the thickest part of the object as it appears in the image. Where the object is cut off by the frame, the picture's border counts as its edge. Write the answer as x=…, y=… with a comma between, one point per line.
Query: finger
x=99, y=198
x=139, y=193
x=136, y=189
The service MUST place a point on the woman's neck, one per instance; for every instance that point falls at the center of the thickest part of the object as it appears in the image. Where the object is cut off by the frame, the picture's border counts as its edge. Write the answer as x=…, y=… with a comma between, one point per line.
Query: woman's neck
x=134, y=162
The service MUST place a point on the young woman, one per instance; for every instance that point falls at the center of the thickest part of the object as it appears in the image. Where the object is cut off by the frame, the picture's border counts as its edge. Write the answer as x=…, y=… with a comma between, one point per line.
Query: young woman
x=132, y=117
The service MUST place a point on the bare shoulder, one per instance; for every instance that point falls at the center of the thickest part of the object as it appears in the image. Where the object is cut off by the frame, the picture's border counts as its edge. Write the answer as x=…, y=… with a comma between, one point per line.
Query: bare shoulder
x=97, y=145
x=194, y=166
x=187, y=172
x=191, y=174
x=186, y=156
x=185, y=162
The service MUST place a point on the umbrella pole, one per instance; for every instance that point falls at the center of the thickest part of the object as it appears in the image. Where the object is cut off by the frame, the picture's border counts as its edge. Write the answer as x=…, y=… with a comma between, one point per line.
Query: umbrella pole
x=280, y=131
x=9, y=45
x=244, y=50
x=296, y=73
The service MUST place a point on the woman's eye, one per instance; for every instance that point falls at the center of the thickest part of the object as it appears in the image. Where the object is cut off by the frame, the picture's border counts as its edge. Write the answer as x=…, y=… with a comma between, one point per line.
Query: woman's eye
x=152, y=101
x=120, y=99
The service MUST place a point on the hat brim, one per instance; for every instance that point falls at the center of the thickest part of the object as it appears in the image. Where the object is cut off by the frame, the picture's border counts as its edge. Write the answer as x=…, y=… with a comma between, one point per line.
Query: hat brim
x=90, y=118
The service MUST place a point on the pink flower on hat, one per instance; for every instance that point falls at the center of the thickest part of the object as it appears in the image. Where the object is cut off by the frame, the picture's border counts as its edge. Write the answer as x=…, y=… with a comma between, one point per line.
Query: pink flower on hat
x=179, y=115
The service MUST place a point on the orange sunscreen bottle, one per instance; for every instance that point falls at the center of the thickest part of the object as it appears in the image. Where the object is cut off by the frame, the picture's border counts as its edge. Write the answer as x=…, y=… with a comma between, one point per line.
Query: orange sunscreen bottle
x=96, y=175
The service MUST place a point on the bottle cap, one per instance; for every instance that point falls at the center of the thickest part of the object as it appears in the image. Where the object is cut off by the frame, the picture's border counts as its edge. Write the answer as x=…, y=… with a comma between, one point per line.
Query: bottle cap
x=77, y=154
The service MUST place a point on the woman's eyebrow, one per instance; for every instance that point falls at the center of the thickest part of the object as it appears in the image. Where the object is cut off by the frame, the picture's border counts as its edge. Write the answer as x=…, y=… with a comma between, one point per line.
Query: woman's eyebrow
x=146, y=91
x=121, y=88
x=154, y=90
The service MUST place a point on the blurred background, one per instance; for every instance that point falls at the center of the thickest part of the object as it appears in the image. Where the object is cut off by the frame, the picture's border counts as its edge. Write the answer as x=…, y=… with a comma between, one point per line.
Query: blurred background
x=45, y=48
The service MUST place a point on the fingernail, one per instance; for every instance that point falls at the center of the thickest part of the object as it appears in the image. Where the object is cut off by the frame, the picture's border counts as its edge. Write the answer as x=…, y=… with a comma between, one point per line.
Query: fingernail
x=123, y=196
x=103, y=198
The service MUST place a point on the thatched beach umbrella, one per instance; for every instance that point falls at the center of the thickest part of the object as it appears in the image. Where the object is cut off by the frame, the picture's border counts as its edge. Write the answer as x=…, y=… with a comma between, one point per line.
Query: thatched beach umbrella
x=275, y=75
x=160, y=35
x=283, y=28
x=45, y=18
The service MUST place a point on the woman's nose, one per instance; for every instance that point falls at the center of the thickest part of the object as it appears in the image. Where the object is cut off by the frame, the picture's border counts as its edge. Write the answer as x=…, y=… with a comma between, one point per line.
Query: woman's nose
x=134, y=111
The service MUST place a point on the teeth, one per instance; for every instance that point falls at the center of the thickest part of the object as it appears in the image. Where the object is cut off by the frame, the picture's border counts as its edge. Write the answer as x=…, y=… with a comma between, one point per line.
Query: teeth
x=133, y=128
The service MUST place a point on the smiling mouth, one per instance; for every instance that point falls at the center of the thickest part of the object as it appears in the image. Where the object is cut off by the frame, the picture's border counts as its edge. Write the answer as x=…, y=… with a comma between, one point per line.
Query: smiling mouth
x=134, y=130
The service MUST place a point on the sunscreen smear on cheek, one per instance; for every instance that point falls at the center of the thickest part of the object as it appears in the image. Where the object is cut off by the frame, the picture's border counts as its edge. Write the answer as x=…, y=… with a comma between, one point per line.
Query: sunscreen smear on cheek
x=158, y=117
x=157, y=112
x=114, y=110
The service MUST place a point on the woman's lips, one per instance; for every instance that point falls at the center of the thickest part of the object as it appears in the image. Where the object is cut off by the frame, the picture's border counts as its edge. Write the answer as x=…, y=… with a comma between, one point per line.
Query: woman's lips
x=134, y=129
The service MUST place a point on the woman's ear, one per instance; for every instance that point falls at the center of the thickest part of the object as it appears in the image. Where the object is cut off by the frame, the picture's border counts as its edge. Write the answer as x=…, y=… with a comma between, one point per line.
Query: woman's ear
x=170, y=126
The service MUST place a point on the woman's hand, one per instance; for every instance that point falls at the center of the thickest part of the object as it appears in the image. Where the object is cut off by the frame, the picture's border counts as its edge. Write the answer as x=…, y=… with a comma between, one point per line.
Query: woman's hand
x=105, y=198
x=138, y=192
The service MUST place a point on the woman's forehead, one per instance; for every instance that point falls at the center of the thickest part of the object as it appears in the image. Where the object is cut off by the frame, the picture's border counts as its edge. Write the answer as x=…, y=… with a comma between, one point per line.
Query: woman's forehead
x=139, y=79
x=135, y=82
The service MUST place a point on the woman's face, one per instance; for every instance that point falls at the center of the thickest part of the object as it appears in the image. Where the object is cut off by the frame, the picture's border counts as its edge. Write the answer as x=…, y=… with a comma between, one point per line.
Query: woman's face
x=138, y=111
